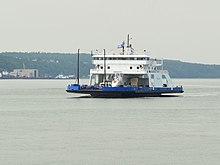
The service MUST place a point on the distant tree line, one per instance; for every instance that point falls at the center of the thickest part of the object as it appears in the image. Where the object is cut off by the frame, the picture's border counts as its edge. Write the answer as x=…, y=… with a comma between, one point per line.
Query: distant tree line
x=52, y=64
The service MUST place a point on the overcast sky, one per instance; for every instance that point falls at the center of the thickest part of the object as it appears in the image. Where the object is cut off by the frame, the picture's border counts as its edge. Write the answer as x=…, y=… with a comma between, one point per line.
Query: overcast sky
x=188, y=30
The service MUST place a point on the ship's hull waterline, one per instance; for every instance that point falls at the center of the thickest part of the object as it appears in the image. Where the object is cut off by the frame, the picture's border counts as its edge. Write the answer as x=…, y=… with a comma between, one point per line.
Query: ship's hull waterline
x=125, y=94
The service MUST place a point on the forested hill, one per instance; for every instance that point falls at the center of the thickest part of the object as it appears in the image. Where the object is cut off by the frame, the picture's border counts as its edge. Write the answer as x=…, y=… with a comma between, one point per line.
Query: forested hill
x=52, y=64
x=48, y=64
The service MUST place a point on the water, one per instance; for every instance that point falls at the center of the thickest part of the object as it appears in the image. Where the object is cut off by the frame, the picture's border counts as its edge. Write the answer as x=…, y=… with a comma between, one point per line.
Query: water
x=41, y=124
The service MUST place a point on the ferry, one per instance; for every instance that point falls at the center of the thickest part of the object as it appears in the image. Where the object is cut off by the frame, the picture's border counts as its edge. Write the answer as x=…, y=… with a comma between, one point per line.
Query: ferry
x=125, y=74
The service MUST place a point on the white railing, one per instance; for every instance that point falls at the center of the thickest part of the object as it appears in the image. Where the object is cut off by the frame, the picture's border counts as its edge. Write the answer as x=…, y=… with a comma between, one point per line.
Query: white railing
x=158, y=71
x=141, y=71
x=119, y=52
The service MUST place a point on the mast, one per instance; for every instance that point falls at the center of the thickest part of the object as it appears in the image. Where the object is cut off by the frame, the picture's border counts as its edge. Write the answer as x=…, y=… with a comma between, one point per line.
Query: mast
x=128, y=44
x=91, y=53
x=123, y=47
x=104, y=68
x=78, y=67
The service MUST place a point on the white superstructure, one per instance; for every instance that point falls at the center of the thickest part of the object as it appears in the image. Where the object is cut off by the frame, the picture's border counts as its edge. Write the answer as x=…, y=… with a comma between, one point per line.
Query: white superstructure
x=128, y=68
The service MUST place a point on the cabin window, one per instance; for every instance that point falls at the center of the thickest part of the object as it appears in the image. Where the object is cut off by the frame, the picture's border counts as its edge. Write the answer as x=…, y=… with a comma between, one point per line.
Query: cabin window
x=101, y=67
x=137, y=67
x=108, y=67
x=148, y=58
x=130, y=67
x=141, y=58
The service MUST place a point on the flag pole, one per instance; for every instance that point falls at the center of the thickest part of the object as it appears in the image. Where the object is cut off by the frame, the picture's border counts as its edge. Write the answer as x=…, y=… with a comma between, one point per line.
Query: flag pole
x=78, y=67
x=128, y=44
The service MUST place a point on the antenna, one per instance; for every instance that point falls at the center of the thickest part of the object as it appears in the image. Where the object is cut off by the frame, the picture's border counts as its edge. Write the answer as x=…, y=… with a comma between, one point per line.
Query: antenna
x=128, y=45
x=78, y=67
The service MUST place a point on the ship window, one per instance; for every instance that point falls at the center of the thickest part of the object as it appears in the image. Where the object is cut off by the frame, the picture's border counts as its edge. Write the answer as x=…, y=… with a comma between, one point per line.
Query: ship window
x=130, y=67
x=108, y=67
x=114, y=58
x=148, y=58
x=101, y=67
x=131, y=58
x=137, y=67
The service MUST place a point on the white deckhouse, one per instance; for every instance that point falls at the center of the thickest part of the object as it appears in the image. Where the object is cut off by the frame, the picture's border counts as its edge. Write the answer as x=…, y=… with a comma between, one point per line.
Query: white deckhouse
x=128, y=68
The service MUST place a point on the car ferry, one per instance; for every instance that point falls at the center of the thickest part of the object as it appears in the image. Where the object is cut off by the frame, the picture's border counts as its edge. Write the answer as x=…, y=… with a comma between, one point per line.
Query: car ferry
x=125, y=74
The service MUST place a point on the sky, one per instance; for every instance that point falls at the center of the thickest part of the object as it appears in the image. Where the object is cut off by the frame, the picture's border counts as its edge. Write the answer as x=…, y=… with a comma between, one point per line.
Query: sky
x=186, y=30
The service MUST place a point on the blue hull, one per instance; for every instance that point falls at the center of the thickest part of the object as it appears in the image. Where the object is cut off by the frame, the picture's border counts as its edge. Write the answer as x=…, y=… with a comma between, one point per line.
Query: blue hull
x=125, y=92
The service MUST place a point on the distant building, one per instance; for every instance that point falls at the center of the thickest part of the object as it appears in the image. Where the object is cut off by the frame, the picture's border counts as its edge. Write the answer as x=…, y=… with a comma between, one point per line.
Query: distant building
x=25, y=73
x=5, y=74
x=60, y=76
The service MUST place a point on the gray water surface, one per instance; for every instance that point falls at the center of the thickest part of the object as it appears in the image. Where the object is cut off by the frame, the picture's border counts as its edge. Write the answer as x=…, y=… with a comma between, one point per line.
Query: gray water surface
x=41, y=124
